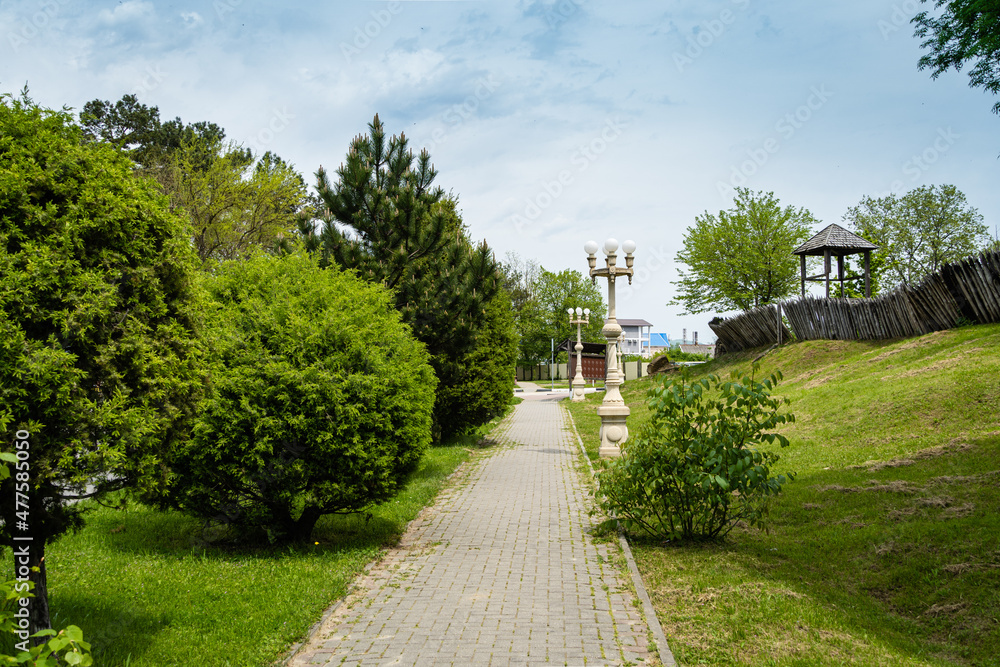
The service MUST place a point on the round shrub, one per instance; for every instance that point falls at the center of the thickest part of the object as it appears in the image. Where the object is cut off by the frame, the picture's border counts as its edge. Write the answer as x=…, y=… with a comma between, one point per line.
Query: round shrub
x=320, y=399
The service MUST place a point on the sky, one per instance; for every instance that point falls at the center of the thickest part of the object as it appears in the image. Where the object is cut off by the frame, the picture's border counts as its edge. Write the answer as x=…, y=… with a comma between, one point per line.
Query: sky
x=553, y=122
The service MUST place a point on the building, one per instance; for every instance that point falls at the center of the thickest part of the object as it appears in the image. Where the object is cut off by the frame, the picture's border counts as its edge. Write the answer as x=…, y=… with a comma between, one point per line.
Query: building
x=636, y=337
x=658, y=342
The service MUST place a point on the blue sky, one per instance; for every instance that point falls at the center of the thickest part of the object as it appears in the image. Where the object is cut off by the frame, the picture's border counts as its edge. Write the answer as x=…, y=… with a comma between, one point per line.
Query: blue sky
x=554, y=122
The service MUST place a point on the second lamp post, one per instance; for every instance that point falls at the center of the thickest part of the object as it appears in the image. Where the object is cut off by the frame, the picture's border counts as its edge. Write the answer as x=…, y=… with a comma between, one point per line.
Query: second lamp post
x=613, y=411
x=582, y=317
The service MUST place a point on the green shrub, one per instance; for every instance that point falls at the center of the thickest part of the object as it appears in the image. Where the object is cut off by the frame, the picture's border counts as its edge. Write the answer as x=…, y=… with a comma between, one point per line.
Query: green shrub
x=99, y=366
x=695, y=468
x=320, y=400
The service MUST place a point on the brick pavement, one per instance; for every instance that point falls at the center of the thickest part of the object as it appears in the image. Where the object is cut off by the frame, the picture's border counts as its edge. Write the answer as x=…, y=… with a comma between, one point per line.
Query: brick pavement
x=500, y=570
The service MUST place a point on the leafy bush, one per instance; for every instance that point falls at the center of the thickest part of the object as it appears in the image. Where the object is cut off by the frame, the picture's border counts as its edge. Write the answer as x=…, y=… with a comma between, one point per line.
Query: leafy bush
x=695, y=468
x=320, y=400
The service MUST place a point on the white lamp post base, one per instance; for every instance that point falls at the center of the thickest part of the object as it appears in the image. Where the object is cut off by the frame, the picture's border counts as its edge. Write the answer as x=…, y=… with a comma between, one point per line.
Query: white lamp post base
x=614, y=431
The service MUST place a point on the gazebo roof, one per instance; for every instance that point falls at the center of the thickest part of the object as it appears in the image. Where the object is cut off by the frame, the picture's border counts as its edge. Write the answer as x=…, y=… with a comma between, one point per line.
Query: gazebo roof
x=837, y=240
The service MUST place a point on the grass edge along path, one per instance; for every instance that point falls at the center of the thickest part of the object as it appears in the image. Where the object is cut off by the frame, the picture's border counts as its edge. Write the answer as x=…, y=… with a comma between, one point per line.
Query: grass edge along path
x=148, y=590
x=886, y=548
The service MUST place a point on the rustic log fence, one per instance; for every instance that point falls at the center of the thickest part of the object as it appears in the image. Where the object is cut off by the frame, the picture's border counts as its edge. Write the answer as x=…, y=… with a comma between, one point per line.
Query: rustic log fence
x=968, y=290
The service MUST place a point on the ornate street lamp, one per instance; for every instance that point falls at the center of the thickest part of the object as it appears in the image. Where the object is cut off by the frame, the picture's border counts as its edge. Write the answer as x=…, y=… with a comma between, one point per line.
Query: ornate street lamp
x=582, y=317
x=613, y=411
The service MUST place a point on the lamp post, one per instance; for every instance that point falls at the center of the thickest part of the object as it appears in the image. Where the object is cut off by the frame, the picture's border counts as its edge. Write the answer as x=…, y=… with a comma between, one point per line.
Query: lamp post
x=582, y=317
x=613, y=411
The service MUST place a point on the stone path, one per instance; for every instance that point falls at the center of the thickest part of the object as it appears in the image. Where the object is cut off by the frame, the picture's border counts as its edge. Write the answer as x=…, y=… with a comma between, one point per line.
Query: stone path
x=499, y=571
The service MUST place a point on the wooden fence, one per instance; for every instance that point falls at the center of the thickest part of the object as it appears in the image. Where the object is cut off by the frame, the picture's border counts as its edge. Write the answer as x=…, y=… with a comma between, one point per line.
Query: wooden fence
x=754, y=328
x=969, y=290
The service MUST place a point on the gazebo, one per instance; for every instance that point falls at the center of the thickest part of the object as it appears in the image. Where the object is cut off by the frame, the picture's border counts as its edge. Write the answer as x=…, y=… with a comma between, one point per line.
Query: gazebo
x=835, y=241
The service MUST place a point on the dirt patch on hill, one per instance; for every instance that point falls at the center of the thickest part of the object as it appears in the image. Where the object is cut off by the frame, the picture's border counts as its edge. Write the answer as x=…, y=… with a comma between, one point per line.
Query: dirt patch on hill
x=909, y=345
x=954, y=446
x=898, y=486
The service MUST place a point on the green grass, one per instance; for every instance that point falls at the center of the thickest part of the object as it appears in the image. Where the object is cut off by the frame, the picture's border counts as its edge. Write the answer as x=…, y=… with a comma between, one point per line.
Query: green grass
x=886, y=548
x=148, y=590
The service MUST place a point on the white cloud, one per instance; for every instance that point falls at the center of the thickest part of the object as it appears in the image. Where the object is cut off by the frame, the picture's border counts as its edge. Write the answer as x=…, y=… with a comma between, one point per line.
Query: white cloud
x=127, y=12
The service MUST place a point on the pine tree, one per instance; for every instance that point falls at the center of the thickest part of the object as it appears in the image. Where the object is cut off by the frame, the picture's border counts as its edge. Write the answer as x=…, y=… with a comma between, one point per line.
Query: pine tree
x=386, y=219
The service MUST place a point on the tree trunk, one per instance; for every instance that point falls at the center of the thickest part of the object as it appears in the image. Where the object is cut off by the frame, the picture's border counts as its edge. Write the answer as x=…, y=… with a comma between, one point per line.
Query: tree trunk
x=39, y=605
x=303, y=527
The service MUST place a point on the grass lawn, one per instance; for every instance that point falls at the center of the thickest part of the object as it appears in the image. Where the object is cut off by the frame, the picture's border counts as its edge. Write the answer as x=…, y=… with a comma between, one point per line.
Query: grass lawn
x=885, y=550
x=147, y=590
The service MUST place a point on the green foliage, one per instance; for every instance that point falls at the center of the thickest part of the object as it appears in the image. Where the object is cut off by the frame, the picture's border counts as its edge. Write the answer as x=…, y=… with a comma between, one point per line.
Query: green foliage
x=917, y=233
x=99, y=367
x=967, y=31
x=675, y=354
x=235, y=203
x=697, y=467
x=386, y=219
x=136, y=129
x=399, y=229
x=480, y=386
x=541, y=299
x=320, y=400
x=742, y=258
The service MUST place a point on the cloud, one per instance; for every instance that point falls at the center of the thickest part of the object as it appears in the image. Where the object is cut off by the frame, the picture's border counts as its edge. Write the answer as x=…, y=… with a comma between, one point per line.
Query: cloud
x=192, y=19
x=128, y=12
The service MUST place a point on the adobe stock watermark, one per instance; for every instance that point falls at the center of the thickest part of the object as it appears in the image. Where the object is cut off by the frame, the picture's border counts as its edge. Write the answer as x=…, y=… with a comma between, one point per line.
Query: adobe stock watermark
x=280, y=120
x=582, y=158
x=29, y=27
x=149, y=81
x=785, y=128
x=457, y=114
x=561, y=11
x=21, y=536
x=365, y=35
x=648, y=266
x=920, y=163
x=707, y=33
x=901, y=15
x=224, y=7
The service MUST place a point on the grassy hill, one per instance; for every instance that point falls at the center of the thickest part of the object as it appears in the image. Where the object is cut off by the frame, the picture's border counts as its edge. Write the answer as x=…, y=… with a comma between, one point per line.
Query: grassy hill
x=886, y=548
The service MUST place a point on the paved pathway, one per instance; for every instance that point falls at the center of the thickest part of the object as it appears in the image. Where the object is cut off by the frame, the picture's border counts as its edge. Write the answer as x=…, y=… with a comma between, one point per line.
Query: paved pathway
x=499, y=571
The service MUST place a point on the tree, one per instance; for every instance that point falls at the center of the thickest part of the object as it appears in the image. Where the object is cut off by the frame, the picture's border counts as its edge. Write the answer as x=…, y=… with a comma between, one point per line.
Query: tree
x=540, y=299
x=967, y=32
x=235, y=203
x=917, y=233
x=482, y=383
x=556, y=293
x=136, y=129
x=742, y=258
x=386, y=219
x=99, y=360
x=520, y=278
x=319, y=401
